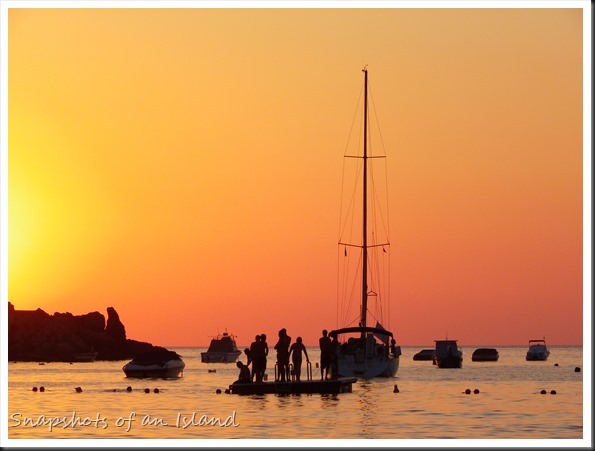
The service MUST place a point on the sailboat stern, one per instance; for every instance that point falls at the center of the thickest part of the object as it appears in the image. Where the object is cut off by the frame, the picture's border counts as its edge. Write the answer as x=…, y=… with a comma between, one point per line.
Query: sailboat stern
x=363, y=356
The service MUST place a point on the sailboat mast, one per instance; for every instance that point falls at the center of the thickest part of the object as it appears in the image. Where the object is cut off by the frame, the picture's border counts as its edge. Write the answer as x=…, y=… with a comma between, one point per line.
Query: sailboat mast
x=365, y=207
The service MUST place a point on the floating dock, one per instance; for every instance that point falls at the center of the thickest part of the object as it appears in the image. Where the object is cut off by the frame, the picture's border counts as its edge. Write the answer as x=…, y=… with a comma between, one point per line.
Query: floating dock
x=330, y=386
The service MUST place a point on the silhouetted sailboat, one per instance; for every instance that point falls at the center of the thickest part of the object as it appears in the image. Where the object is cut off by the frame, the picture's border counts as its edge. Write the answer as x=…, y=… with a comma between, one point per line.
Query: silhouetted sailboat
x=366, y=351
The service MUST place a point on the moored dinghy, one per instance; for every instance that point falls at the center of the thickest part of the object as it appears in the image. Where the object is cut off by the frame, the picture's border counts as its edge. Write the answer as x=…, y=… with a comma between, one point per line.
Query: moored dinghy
x=485, y=355
x=159, y=363
x=425, y=354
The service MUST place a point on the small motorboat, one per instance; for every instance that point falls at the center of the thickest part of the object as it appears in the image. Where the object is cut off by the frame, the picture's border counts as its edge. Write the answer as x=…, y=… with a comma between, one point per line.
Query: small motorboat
x=424, y=354
x=485, y=355
x=448, y=354
x=85, y=356
x=160, y=364
x=223, y=349
x=538, y=350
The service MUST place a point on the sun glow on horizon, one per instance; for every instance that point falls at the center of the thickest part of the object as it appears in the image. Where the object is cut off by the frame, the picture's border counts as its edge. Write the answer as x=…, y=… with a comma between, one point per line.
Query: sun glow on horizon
x=189, y=161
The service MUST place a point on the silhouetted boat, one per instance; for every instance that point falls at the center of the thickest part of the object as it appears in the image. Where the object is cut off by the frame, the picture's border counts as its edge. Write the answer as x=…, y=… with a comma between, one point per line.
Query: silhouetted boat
x=160, y=363
x=85, y=356
x=538, y=350
x=361, y=354
x=485, y=355
x=424, y=354
x=448, y=354
x=223, y=349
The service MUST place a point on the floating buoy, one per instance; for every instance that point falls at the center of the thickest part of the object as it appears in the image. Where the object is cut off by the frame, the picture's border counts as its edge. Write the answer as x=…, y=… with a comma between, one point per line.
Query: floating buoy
x=555, y=364
x=156, y=390
x=147, y=390
x=227, y=391
x=212, y=371
x=553, y=392
x=34, y=388
x=476, y=391
x=468, y=392
x=218, y=391
x=78, y=389
x=129, y=388
x=577, y=370
x=396, y=389
x=543, y=392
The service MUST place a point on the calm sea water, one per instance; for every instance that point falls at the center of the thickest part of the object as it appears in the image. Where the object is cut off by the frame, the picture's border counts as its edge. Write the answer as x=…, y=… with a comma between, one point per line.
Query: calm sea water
x=431, y=402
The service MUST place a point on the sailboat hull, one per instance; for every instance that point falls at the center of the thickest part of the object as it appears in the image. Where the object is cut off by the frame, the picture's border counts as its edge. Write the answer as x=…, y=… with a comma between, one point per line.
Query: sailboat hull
x=368, y=369
x=364, y=357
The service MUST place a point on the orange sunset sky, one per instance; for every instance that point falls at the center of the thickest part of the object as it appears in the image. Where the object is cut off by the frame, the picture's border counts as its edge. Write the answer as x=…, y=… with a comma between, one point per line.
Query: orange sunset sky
x=184, y=167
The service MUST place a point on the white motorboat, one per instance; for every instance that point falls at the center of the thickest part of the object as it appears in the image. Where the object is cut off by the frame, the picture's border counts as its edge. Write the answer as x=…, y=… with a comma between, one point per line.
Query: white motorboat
x=158, y=364
x=223, y=349
x=538, y=350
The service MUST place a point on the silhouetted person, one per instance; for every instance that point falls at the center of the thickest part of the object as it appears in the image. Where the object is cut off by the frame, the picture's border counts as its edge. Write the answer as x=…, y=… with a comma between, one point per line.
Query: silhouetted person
x=282, y=348
x=248, y=356
x=244, y=374
x=334, y=355
x=265, y=345
x=393, y=347
x=257, y=353
x=295, y=351
x=325, y=355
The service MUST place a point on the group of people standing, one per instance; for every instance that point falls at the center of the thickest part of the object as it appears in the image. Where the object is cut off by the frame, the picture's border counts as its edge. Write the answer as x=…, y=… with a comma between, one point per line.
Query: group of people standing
x=258, y=353
x=329, y=364
x=257, y=356
x=259, y=350
x=285, y=352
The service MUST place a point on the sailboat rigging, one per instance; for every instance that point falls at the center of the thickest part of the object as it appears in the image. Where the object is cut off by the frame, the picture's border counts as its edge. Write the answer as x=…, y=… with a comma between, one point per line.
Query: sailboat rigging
x=360, y=354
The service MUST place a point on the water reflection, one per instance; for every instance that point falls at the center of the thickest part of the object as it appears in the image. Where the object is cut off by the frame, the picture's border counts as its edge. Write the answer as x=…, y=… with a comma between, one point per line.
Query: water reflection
x=367, y=407
x=509, y=400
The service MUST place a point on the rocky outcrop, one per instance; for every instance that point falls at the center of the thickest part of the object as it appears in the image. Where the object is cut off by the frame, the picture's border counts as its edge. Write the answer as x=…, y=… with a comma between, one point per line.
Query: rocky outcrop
x=114, y=329
x=34, y=335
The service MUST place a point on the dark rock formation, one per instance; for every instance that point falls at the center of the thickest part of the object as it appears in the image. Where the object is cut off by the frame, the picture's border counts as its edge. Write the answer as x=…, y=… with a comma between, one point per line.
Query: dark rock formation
x=114, y=329
x=34, y=335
